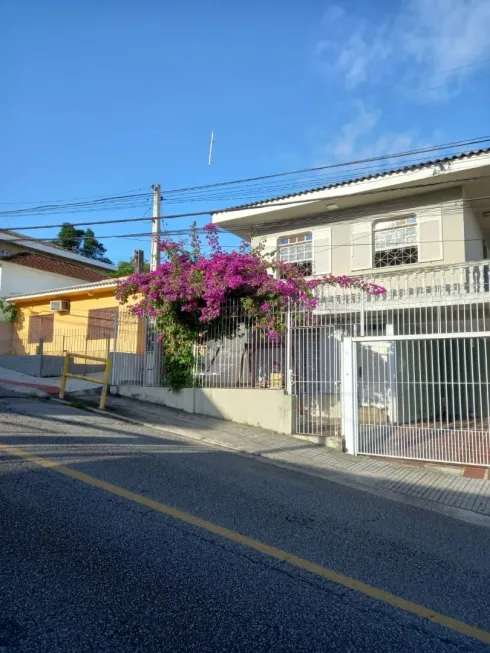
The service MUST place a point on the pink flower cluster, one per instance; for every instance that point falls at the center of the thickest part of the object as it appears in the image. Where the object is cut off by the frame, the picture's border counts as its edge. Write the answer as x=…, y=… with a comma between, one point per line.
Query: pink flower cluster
x=189, y=282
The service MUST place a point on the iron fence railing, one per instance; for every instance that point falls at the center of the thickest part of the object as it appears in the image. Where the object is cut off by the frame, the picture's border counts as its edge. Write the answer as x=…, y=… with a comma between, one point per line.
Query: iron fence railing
x=302, y=360
x=404, y=408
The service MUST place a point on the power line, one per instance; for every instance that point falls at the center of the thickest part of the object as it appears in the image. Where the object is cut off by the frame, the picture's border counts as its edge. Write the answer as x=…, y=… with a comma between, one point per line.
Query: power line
x=338, y=165
x=271, y=204
x=288, y=186
x=188, y=232
x=454, y=207
x=96, y=204
x=76, y=199
x=125, y=200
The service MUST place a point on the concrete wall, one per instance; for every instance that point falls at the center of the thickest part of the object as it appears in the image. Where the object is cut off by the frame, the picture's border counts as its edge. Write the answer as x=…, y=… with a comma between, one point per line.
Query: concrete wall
x=36, y=365
x=26, y=364
x=6, y=335
x=267, y=409
x=448, y=201
x=48, y=365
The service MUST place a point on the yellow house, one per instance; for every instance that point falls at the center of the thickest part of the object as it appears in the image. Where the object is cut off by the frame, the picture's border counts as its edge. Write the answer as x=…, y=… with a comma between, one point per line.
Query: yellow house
x=85, y=319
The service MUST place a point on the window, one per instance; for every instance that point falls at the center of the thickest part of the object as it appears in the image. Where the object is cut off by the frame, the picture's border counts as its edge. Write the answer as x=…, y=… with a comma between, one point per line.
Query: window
x=297, y=249
x=40, y=328
x=395, y=242
x=102, y=323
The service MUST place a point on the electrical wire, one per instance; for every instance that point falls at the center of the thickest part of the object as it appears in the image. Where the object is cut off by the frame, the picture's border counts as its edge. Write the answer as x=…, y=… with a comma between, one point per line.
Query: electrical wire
x=433, y=148
x=104, y=203
x=279, y=203
x=76, y=199
x=130, y=199
x=286, y=188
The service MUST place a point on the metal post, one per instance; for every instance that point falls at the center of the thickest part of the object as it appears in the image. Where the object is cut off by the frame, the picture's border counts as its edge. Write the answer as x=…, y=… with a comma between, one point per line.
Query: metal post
x=289, y=370
x=85, y=359
x=114, y=349
x=66, y=366
x=41, y=354
x=155, y=229
x=362, y=317
x=107, y=380
x=349, y=395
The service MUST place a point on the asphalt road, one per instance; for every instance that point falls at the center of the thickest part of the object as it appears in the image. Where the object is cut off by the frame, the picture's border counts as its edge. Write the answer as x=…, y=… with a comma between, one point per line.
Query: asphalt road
x=82, y=569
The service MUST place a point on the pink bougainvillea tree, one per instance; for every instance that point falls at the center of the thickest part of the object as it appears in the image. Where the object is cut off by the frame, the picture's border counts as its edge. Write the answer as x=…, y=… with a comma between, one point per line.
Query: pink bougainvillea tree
x=191, y=292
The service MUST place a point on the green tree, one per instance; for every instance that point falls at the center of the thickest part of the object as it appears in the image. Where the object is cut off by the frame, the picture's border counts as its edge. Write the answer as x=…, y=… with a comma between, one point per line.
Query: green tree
x=125, y=268
x=92, y=248
x=70, y=238
x=82, y=242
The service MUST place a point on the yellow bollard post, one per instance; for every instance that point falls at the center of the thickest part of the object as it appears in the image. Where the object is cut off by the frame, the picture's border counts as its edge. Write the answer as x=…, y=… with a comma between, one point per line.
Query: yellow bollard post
x=66, y=366
x=107, y=381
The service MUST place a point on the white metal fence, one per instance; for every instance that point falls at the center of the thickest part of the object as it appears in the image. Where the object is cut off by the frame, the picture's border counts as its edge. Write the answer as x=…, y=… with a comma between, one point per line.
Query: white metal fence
x=418, y=386
x=420, y=381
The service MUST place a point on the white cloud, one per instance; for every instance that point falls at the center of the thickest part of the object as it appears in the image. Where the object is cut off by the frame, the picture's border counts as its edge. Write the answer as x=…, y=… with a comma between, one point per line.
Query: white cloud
x=433, y=43
x=332, y=14
x=359, y=138
x=351, y=52
x=352, y=132
x=447, y=39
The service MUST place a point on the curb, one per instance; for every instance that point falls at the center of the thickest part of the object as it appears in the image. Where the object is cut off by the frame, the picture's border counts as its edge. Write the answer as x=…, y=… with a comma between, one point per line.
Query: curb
x=25, y=390
x=29, y=387
x=332, y=476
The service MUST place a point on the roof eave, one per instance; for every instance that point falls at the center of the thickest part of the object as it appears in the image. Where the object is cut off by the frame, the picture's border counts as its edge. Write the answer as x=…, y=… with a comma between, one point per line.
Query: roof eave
x=70, y=290
x=396, y=180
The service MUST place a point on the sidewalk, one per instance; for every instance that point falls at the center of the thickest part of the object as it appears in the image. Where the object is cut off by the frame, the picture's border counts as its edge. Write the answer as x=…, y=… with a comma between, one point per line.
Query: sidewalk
x=453, y=494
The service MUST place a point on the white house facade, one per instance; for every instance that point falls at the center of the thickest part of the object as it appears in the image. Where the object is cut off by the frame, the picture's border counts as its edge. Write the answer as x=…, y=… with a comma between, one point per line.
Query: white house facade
x=404, y=374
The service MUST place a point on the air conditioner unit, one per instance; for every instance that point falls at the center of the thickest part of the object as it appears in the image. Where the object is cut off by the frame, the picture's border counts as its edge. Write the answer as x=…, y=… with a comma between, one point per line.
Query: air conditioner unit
x=59, y=306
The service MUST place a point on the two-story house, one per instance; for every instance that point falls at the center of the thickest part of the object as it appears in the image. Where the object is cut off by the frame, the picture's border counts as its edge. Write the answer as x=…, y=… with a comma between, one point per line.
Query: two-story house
x=404, y=374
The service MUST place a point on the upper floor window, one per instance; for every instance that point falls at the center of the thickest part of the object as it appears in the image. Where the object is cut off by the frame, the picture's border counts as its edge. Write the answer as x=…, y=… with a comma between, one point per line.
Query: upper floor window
x=395, y=242
x=297, y=249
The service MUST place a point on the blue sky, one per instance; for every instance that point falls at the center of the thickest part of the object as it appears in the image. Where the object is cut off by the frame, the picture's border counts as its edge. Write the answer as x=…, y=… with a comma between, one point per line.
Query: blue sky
x=104, y=97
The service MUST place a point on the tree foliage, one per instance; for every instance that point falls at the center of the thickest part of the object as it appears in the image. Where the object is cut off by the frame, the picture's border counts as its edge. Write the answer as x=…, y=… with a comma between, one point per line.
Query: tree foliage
x=8, y=310
x=70, y=238
x=81, y=241
x=126, y=268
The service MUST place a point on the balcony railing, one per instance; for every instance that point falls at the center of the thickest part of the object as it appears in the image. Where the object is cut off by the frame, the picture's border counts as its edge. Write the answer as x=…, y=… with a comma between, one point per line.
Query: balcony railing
x=436, y=299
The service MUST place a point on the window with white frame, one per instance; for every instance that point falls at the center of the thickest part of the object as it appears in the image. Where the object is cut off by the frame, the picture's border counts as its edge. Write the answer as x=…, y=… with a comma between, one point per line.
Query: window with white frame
x=395, y=242
x=297, y=249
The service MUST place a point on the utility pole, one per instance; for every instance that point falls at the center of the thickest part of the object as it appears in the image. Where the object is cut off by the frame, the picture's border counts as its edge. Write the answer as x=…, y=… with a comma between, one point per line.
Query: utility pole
x=155, y=228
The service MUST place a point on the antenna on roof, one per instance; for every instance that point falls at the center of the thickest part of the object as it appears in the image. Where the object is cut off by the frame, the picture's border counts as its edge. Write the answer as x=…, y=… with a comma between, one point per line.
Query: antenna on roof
x=211, y=143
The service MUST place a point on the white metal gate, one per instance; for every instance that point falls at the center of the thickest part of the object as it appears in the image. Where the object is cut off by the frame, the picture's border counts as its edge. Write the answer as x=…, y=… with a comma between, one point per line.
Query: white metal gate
x=315, y=365
x=422, y=397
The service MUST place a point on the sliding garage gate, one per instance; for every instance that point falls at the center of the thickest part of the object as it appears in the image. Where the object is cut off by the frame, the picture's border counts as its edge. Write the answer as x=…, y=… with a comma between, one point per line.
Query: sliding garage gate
x=424, y=397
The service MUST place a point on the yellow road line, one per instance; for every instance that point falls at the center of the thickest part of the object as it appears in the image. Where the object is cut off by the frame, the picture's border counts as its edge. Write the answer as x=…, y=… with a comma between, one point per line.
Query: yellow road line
x=266, y=549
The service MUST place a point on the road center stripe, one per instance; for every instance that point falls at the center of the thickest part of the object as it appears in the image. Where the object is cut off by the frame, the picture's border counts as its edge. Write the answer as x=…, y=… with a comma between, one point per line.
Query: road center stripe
x=271, y=551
